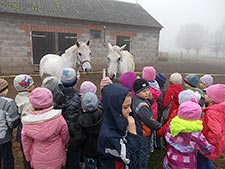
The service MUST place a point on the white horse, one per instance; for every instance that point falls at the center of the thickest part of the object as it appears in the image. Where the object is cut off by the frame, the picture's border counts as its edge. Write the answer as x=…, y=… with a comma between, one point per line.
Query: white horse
x=78, y=55
x=120, y=61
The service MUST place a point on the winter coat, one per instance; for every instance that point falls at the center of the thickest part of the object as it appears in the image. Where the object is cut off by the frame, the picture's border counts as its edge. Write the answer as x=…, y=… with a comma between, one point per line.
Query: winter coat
x=90, y=123
x=183, y=146
x=44, y=138
x=155, y=90
x=69, y=101
x=172, y=94
x=116, y=147
x=9, y=118
x=143, y=116
x=24, y=106
x=214, y=123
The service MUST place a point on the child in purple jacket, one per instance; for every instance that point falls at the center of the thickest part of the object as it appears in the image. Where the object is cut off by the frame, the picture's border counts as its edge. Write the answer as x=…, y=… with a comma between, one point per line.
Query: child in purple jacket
x=185, y=139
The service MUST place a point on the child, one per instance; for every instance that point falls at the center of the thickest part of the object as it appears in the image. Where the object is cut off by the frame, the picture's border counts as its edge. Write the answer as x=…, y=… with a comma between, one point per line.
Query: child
x=127, y=79
x=205, y=81
x=214, y=122
x=90, y=121
x=184, y=138
x=118, y=143
x=143, y=116
x=171, y=94
x=45, y=133
x=67, y=98
x=9, y=119
x=87, y=86
x=23, y=84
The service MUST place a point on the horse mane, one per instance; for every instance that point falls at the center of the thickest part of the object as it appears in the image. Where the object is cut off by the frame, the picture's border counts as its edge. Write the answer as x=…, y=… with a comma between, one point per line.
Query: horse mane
x=70, y=50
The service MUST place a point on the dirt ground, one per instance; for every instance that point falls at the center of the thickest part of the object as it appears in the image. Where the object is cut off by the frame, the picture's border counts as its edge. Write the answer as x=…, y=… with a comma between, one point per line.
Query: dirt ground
x=214, y=67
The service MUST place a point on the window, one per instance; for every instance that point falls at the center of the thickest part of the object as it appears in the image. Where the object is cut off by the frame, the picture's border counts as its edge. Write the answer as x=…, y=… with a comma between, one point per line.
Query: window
x=95, y=34
x=66, y=40
x=42, y=44
x=122, y=40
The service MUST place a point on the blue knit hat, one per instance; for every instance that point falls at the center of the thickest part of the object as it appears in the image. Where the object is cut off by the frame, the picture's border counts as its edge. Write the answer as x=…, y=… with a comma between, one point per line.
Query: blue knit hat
x=68, y=77
x=192, y=80
x=161, y=79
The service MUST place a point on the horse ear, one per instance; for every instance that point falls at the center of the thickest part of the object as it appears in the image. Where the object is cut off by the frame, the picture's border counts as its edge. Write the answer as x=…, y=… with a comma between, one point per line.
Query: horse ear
x=109, y=45
x=88, y=43
x=123, y=47
x=78, y=44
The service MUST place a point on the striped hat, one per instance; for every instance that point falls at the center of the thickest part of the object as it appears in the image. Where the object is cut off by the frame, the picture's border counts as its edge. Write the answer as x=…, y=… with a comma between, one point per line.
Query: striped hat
x=3, y=85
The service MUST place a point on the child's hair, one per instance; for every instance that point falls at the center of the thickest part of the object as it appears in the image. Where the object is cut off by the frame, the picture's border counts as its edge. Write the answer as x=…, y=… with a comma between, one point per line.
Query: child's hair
x=22, y=82
x=89, y=101
x=41, y=98
x=3, y=85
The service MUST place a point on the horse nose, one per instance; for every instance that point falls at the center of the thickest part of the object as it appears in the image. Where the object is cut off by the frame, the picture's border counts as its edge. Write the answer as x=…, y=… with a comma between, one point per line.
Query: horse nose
x=88, y=69
x=112, y=77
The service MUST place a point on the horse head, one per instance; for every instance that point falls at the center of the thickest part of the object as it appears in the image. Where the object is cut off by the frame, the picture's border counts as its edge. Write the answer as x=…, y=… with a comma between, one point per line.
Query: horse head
x=114, y=57
x=83, y=56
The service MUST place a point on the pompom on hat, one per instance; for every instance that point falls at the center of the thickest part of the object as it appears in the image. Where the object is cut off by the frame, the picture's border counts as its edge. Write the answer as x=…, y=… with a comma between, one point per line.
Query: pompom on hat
x=189, y=110
x=3, y=85
x=89, y=101
x=140, y=85
x=41, y=98
x=68, y=77
x=22, y=82
x=207, y=80
x=216, y=92
x=87, y=86
x=148, y=73
x=176, y=78
x=192, y=80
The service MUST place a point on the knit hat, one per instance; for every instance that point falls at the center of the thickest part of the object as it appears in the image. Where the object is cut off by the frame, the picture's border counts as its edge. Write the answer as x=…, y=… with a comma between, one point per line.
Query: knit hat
x=216, y=92
x=161, y=79
x=189, y=110
x=176, y=78
x=149, y=73
x=41, y=98
x=50, y=83
x=3, y=85
x=87, y=86
x=186, y=95
x=127, y=79
x=68, y=77
x=89, y=101
x=105, y=81
x=140, y=85
x=22, y=82
x=191, y=80
x=207, y=80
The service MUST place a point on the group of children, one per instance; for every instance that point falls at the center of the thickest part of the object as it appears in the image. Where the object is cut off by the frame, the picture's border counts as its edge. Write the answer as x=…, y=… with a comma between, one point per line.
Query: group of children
x=60, y=126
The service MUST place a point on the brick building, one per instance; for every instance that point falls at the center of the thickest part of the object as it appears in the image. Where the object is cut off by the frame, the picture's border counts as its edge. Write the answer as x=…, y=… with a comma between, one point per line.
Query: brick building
x=30, y=29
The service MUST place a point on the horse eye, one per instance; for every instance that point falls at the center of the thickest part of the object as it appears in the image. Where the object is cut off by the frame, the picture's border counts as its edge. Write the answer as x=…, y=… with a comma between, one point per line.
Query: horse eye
x=79, y=54
x=119, y=59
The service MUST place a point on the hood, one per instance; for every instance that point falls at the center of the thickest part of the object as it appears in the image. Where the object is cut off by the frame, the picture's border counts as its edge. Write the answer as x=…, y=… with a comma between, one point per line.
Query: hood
x=154, y=84
x=113, y=96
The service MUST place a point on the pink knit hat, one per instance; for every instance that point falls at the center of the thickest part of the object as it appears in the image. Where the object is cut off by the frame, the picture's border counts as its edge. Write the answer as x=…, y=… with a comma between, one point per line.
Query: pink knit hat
x=189, y=110
x=41, y=98
x=216, y=92
x=148, y=73
x=87, y=86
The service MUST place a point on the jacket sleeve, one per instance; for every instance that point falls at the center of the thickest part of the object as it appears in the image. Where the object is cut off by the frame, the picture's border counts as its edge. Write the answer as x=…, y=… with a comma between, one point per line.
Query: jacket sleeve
x=166, y=99
x=146, y=115
x=13, y=114
x=27, y=145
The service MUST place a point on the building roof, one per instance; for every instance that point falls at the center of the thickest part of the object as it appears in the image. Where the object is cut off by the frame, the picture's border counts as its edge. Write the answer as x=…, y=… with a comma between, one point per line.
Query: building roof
x=108, y=11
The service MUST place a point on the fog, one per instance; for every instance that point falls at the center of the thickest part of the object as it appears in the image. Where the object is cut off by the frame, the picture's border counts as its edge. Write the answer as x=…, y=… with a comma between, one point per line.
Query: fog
x=172, y=14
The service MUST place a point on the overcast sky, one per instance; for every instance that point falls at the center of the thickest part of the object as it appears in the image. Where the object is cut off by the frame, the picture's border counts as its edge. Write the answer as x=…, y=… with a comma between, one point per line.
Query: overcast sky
x=174, y=13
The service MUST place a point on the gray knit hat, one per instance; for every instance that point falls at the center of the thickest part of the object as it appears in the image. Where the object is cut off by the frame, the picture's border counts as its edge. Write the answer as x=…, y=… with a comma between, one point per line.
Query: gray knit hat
x=50, y=83
x=207, y=80
x=68, y=77
x=89, y=102
x=22, y=82
x=186, y=95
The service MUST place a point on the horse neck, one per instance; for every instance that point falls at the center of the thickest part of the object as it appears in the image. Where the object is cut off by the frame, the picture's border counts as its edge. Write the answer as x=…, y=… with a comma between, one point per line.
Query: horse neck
x=68, y=58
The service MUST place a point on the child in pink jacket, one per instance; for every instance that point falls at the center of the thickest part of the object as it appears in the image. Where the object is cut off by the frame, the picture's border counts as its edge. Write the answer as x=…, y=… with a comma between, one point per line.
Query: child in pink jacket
x=45, y=132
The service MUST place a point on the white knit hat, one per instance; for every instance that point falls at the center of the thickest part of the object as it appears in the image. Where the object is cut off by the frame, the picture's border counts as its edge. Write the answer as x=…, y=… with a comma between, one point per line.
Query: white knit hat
x=22, y=82
x=176, y=78
x=207, y=80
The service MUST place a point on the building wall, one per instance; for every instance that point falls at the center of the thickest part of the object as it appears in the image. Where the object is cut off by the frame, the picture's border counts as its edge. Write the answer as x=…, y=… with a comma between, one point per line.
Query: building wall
x=16, y=42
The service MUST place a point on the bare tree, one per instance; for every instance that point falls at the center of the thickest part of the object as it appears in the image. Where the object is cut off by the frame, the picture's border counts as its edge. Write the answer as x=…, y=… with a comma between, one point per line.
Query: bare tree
x=191, y=36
